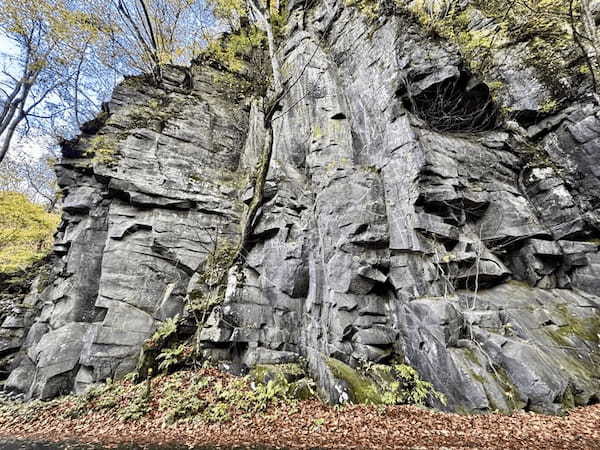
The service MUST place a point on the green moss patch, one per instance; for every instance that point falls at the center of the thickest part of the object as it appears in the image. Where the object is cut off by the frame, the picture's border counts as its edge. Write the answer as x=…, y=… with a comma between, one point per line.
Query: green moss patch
x=103, y=149
x=361, y=388
x=289, y=377
x=542, y=27
x=263, y=373
x=398, y=384
x=511, y=393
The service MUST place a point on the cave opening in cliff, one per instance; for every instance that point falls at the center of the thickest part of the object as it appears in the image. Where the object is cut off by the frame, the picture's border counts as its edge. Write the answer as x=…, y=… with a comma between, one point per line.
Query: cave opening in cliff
x=454, y=105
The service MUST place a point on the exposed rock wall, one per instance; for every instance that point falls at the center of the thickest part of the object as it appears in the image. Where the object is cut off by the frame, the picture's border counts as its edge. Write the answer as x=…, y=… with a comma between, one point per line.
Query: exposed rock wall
x=473, y=256
x=137, y=223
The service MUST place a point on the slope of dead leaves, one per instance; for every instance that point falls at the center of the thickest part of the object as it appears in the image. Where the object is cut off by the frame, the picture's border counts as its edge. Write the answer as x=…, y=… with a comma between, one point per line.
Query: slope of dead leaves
x=306, y=424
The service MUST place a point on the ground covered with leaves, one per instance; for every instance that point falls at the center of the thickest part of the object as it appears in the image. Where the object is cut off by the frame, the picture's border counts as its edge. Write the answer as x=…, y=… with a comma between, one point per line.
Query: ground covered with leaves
x=207, y=407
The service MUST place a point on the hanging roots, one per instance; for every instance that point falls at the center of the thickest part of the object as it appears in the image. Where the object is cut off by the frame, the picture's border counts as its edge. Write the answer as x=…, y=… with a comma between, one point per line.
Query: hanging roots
x=452, y=105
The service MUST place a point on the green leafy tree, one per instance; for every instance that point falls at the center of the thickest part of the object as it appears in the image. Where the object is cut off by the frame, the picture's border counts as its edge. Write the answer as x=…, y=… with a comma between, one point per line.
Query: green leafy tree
x=26, y=232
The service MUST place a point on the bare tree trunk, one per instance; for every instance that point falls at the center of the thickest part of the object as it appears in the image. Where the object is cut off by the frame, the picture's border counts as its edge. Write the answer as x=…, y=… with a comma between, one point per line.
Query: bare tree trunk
x=76, y=84
x=52, y=204
x=264, y=17
x=591, y=31
x=8, y=103
x=18, y=104
x=259, y=185
x=10, y=132
x=12, y=121
x=11, y=99
x=273, y=57
x=9, y=117
x=148, y=24
x=150, y=48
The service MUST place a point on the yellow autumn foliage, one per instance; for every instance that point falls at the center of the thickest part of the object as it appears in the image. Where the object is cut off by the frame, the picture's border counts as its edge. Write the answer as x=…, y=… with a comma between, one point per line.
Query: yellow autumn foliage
x=26, y=232
x=64, y=28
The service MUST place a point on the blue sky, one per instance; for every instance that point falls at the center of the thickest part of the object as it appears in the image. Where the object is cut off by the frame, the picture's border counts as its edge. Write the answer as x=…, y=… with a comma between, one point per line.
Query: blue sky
x=37, y=144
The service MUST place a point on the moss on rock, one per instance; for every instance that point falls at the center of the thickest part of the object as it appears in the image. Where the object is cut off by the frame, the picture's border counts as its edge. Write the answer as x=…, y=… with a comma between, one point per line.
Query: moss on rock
x=263, y=373
x=511, y=393
x=540, y=27
x=290, y=377
x=398, y=384
x=362, y=389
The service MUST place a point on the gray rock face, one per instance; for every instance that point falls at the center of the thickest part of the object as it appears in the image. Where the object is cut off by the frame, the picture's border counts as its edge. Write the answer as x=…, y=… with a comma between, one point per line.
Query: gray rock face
x=134, y=230
x=465, y=254
x=458, y=253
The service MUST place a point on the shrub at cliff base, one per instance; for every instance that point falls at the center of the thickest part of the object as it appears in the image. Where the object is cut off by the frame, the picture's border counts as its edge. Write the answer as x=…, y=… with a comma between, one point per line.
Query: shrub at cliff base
x=26, y=231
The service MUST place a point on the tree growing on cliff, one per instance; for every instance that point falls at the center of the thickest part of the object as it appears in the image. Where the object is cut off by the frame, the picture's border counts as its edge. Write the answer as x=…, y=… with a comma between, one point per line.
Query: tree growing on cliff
x=264, y=12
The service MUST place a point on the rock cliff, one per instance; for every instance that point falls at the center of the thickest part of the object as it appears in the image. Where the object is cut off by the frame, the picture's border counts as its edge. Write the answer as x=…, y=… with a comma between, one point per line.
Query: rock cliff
x=399, y=222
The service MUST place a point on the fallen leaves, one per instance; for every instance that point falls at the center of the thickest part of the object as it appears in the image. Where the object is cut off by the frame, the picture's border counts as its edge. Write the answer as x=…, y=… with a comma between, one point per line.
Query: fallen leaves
x=311, y=424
